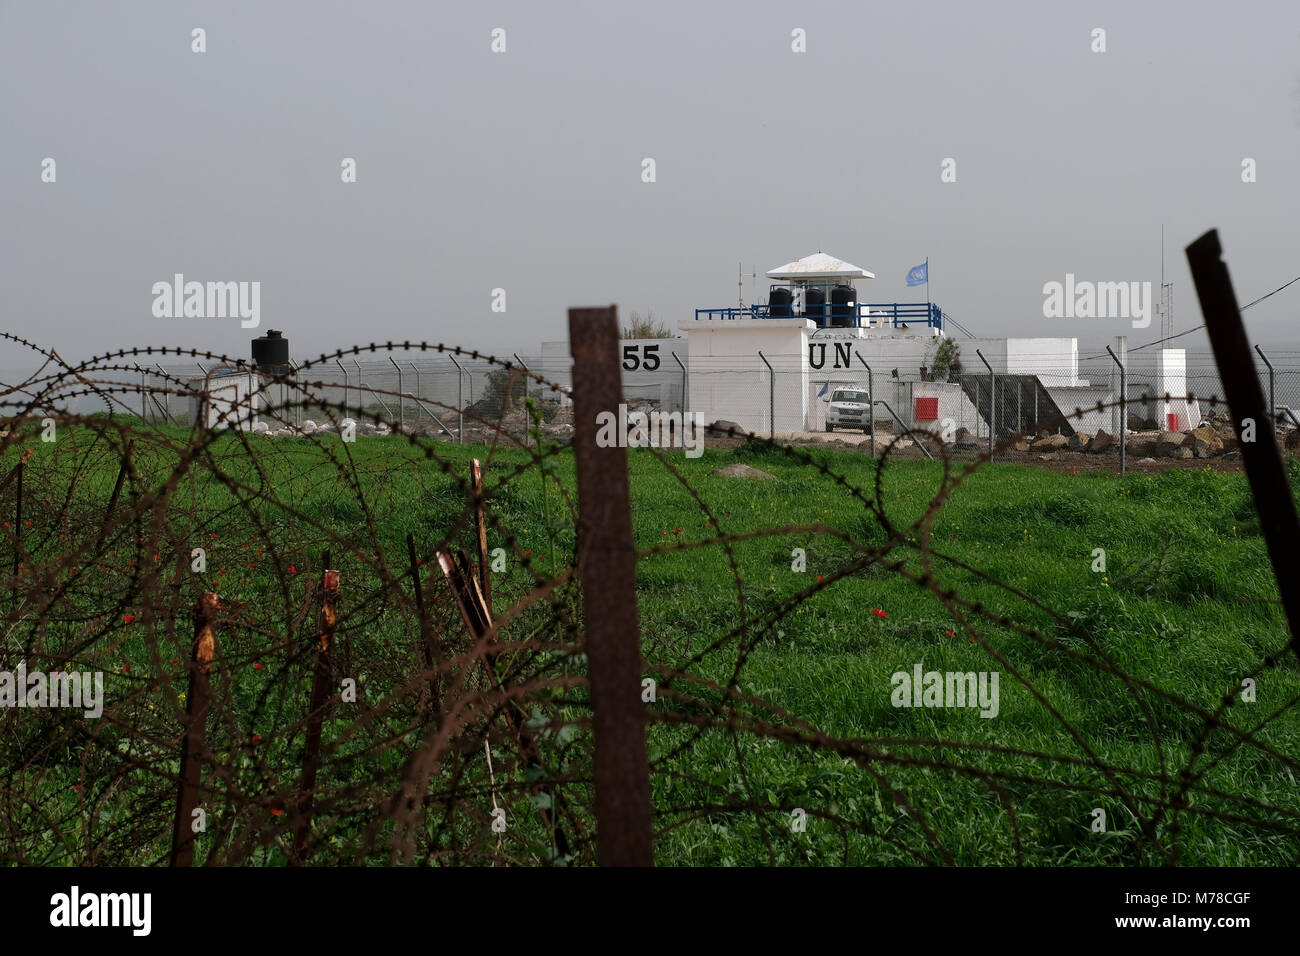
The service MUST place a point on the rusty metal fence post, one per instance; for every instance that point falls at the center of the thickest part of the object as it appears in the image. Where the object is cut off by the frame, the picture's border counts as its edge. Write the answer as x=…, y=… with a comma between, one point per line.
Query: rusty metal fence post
x=193, y=743
x=1265, y=470
x=607, y=560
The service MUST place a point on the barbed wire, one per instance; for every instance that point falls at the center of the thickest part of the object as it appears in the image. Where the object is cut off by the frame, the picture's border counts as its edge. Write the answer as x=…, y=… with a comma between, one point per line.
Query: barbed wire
x=442, y=741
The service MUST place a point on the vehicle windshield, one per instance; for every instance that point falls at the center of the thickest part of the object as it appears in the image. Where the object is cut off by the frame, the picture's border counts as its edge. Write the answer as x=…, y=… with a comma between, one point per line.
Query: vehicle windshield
x=845, y=395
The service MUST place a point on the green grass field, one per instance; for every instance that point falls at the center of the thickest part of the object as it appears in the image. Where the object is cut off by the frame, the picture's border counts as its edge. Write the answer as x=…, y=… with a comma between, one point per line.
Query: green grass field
x=1186, y=604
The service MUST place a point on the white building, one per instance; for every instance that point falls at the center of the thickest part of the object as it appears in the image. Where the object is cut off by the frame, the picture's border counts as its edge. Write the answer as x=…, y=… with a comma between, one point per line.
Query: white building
x=769, y=367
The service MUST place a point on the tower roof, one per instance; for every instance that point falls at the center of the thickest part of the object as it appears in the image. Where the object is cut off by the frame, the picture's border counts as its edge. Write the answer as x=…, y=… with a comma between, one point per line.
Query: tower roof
x=820, y=266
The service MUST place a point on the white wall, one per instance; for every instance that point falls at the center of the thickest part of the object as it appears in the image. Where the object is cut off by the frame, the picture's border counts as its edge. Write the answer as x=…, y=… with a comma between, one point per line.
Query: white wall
x=1054, y=361
x=728, y=380
x=661, y=384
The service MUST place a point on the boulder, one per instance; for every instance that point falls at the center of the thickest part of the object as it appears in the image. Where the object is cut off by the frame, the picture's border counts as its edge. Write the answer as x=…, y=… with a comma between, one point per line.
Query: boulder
x=1141, y=448
x=1101, y=442
x=1079, y=441
x=719, y=429
x=1168, y=443
x=741, y=470
x=1293, y=440
x=308, y=427
x=1051, y=443
x=1204, y=442
x=1182, y=453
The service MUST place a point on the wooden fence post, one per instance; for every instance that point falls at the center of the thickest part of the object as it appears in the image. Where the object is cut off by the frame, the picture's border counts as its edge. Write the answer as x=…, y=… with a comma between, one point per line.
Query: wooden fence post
x=320, y=695
x=196, y=719
x=607, y=559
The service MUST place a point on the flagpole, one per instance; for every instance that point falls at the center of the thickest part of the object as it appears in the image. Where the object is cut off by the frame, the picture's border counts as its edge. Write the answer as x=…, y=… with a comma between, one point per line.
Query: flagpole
x=927, y=290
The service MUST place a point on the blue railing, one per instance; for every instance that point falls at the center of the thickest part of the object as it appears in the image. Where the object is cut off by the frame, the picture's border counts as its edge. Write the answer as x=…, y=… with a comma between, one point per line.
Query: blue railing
x=899, y=314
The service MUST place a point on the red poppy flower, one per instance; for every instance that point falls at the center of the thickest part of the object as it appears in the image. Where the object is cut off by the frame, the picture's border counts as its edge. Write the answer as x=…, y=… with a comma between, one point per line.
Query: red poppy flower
x=878, y=612
x=128, y=618
x=257, y=667
x=820, y=578
x=292, y=569
x=276, y=812
x=951, y=634
x=257, y=739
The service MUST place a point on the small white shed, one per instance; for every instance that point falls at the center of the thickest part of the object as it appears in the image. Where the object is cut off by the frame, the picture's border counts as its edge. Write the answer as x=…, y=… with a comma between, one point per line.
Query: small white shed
x=230, y=397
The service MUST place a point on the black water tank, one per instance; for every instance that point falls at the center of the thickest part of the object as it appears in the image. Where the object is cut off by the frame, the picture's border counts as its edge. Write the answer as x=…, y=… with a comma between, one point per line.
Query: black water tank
x=778, y=301
x=271, y=352
x=814, y=301
x=843, y=300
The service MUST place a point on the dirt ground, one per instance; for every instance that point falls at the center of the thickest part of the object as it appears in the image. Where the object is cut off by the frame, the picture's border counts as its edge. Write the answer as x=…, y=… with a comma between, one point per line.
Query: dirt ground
x=1063, y=461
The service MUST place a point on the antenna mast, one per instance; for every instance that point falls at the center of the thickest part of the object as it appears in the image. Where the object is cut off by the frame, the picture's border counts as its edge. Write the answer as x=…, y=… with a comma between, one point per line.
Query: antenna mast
x=740, y=279
x=1166, y=294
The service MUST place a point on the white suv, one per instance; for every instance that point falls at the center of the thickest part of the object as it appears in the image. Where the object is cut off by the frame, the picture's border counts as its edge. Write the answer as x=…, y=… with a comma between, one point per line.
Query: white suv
x=849, y=408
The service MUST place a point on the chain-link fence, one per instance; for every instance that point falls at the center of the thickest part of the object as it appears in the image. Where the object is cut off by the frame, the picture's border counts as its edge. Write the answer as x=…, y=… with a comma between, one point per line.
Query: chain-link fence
x=989, y=402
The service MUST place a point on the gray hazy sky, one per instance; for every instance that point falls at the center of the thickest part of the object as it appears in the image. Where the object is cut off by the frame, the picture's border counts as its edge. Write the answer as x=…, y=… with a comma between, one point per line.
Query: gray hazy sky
x=522, y=170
